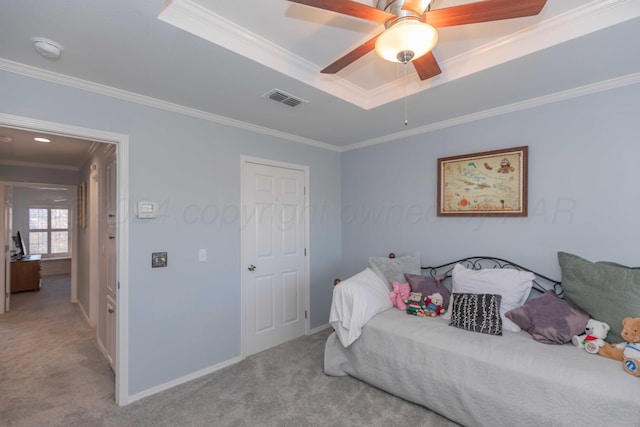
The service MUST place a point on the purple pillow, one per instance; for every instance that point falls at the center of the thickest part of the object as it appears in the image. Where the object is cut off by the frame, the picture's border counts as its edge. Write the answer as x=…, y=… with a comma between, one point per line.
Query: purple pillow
x=429, y=285
x=550, y=319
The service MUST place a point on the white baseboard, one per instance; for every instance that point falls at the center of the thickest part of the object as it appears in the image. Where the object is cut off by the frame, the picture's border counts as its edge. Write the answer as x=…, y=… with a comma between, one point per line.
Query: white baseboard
x=84, y=313
x=319, y=328
x=162, y=387
x=104, y=352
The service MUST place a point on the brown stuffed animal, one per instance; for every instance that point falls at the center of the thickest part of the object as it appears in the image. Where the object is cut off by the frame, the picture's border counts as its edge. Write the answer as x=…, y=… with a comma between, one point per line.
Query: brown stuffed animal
x=627, y=352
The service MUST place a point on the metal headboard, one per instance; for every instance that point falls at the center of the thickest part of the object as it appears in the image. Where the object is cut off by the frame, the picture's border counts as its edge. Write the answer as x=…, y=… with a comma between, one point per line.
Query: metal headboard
x=541, y=283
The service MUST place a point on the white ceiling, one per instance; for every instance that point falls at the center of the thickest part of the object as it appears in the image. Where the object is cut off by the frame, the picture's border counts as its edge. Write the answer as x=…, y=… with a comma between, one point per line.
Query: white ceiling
x=18, y=147
x=243, y=49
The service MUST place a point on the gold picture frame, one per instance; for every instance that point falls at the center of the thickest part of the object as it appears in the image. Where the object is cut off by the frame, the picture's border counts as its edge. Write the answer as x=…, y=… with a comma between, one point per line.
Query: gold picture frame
x=82, y=205
x=490, y=183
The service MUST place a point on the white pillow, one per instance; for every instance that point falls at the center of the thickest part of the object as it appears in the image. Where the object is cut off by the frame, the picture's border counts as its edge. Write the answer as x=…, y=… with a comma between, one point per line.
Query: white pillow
x=513, y=285
x=355, y=301
x=393, y=269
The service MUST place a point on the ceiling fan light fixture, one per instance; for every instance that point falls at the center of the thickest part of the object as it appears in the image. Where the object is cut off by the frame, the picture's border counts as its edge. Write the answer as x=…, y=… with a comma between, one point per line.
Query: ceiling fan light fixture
x=405, y=37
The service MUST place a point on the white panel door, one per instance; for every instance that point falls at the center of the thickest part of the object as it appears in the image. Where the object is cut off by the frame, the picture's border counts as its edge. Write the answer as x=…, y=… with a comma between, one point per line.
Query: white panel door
x=273, y=235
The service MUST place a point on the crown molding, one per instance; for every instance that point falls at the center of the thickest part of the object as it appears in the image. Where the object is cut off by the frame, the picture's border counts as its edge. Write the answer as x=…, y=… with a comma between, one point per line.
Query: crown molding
x=155, y=103
x=202, y=22
x=38, y=73
x=505, y=109
x=592, y=16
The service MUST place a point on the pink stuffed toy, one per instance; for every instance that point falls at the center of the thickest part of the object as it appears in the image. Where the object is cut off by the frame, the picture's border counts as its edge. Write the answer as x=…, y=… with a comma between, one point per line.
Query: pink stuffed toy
x=400, y=294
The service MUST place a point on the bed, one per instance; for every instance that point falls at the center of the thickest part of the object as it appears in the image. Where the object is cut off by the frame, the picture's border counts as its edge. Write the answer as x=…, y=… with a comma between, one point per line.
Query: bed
x=477, y=379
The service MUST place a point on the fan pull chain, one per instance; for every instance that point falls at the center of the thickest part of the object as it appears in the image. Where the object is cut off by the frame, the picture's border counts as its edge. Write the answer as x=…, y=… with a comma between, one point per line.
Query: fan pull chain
x=406, y=121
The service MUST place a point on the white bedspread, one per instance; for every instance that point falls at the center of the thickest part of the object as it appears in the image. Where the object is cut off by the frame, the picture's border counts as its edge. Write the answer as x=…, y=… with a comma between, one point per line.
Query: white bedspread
x=482, y=380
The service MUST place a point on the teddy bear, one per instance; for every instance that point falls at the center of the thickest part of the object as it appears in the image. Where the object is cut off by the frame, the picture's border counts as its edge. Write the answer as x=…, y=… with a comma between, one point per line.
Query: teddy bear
x=593, y=338
x=415, y=304
x=433, y=305
x=400, y=294
x=627, y=352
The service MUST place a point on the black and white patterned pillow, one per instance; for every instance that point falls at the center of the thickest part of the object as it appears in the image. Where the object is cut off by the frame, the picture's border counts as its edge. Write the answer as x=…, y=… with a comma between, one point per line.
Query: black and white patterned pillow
x=476, y=313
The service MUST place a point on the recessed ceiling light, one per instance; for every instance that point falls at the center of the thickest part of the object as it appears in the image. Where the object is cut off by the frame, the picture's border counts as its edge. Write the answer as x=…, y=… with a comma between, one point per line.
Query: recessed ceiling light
x=5, y=139
x=41, y=139
x=47, y=48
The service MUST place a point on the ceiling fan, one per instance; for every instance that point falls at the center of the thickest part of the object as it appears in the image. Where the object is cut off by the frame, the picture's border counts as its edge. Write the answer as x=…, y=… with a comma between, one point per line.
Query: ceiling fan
x=410, y=27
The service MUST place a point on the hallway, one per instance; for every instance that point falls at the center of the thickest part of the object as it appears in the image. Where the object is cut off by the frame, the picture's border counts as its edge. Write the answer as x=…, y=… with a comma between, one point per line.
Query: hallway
x=48, y=357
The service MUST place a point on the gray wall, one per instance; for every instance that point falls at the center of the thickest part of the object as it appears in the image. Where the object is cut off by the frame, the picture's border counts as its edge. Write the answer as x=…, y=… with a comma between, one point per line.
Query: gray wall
x=583, y=188
x=186, y=317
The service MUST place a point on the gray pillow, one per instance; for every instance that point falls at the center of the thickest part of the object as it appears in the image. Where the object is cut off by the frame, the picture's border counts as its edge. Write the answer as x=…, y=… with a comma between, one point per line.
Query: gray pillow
x=608, y=292
x=476, y=313
x=429, y=285
x=393, y=269
x=550, y=319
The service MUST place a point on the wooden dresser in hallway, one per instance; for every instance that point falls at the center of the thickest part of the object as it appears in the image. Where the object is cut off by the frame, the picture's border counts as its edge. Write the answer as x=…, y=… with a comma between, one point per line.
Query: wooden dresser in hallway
x=25, y=274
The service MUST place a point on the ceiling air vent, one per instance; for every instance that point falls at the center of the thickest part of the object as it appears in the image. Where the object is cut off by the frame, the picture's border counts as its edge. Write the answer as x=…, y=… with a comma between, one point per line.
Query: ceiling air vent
x=281, y=97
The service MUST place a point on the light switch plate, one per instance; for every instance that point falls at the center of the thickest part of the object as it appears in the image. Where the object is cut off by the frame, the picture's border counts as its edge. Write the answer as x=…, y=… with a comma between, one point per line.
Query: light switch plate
x=158, y=259
x=146, y=209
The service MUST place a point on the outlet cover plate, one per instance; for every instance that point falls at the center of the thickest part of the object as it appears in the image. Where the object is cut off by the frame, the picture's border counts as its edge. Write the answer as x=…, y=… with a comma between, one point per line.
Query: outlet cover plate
x=158, y=259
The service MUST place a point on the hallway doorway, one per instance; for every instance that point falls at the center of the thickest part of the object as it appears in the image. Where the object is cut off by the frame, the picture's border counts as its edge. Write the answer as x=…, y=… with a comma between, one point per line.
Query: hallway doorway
x=119, y=307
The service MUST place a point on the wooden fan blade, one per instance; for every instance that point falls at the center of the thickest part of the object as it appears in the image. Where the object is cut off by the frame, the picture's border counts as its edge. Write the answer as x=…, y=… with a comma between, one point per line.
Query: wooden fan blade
x=418, y=6
x=427, y=66
x=352, y=56
x=483, y=11
x=351, y=8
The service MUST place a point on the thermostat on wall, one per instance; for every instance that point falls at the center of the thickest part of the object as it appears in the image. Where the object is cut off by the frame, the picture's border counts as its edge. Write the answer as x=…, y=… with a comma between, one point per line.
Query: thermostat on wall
x=146, y=209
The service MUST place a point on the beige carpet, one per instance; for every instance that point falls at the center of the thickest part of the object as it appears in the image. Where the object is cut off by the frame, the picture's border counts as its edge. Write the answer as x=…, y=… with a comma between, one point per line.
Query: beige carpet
x=51, y=374
x=49, y=360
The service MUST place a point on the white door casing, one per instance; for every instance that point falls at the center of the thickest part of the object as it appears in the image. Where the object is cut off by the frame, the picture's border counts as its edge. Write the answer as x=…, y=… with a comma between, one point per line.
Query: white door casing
x=111, y=254
x=6, y=213
x=93, y=227
x=274, y=263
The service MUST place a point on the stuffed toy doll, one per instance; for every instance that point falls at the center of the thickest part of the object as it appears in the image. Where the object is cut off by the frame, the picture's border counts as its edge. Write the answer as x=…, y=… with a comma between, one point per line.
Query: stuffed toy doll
x=627, y=352
x=400, y=294
x=593, y=337
x=434, y=305
x=415, y=304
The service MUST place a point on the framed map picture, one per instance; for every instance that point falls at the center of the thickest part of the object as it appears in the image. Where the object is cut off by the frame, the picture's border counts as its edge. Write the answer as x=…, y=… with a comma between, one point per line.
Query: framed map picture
x=492, y=183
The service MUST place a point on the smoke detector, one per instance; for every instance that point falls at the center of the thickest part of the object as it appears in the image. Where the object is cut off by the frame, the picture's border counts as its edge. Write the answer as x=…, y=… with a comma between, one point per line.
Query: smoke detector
x=47, y=48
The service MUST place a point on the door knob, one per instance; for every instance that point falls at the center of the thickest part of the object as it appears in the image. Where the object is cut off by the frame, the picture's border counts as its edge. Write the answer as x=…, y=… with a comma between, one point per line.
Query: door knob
x=111, y=311
x=252, y=267
x=112, y=237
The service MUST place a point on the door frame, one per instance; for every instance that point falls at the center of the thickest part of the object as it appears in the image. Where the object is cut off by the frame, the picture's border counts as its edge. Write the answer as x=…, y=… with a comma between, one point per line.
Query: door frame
x=244, y=276
x=5, y=243
x=122, y=262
